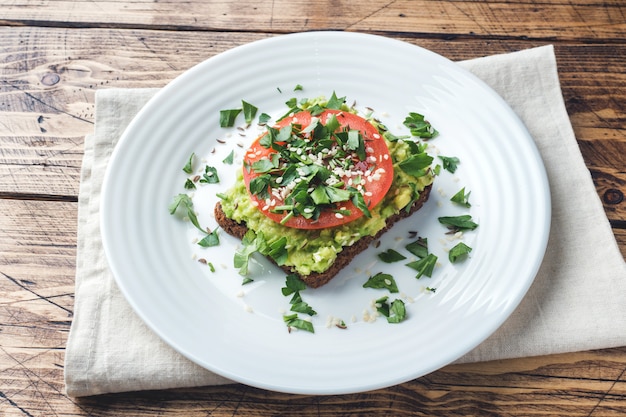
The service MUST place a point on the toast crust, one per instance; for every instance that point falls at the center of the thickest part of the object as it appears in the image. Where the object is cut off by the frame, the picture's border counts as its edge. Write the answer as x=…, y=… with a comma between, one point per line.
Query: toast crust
x=317, y=279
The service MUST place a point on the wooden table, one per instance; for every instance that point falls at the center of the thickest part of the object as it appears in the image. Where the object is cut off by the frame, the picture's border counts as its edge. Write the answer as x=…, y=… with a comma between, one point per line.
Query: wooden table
x=54, y=55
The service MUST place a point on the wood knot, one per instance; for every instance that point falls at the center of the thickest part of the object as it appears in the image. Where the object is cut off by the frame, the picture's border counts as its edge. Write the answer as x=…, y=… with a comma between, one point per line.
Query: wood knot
x=613, y=196
x=50, y=79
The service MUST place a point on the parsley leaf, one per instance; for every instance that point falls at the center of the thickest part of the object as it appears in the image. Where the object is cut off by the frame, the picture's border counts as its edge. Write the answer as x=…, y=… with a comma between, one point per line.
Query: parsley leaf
x=416, y=164
x=184, y=201
x=293, y=284
x=418, y=248
x=212, y=239
x=294, y=321
x=188, y=168
x=189, y=185
x=458, y=223
x=424, y=266
x=264, y=118
x=459, y=252
x=304, y=308
x=241, y=259
x=210, y=175
x=390, y=256
x=229, y=159
x=461, y=198
x=249, y=111
x=419, y=127
x=335, y=103
x=450, y=163
x=397, y=312
x=227, y=117
x=394, y=312
x=382, y=281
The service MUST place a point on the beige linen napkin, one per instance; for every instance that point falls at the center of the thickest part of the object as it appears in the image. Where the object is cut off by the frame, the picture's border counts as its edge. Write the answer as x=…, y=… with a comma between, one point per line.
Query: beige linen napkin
x=577, y=302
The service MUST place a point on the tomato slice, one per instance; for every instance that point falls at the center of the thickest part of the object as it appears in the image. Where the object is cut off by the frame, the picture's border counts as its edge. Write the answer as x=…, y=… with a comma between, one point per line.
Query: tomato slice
x=377, y=164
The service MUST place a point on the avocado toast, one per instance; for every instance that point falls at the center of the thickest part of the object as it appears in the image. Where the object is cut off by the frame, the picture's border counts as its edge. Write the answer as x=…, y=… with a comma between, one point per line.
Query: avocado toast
x=319, y=186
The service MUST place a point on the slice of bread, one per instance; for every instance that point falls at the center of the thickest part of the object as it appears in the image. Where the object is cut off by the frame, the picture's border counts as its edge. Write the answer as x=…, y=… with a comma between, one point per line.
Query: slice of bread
x=317, y=279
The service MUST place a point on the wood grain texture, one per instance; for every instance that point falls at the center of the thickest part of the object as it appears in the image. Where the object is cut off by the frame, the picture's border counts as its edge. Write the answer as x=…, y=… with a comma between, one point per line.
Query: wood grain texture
x=506, y=19
x=54, y=55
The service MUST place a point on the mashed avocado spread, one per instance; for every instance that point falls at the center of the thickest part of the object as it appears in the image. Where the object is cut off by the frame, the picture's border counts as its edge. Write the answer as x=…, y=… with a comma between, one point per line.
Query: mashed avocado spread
x=315, y=250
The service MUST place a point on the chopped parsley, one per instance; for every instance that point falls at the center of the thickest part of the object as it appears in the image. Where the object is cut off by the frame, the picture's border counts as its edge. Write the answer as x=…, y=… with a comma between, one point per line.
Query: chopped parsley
x=461, y=198
x=264, y=118
x=189, y=185
x=293, y=285
x=424, y=266
x=395, y=312
x=419, y=127
x=228, y=117
x=186, y=203
x=212, y=239
x=390, y=256
x=459, y=252
x=294, y=321
x=419, y=247
x=188, y=168
x=382, y=281
x=450, y=163
x=210, y=175
x=458, y=223
x=257, y=242
x=230, y=158
x=249, y=111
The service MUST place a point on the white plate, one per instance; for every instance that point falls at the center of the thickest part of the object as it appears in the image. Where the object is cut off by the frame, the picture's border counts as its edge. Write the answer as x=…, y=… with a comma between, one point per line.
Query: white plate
x=237, y=331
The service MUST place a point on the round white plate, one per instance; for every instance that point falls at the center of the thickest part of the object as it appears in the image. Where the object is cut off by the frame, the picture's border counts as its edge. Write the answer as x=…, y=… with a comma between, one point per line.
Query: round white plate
x=238, y=331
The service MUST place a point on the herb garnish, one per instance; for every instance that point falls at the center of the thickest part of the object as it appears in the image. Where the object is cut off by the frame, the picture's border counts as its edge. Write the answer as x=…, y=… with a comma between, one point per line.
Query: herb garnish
x=459, y=252
x=293, y=285
x=424, y=266
x=212, y=239
x=249, y=111
x=461, y=198
x=390, y=256
x=230, y=158
x=450, y=163
x=188, y=168
x=419, y=247
x=293, y=321
x=264, y=118
x=419, y=127
x=257, y=242
x=184, y=201
x=227, y=117
x=189, y=185
x=210, y=175
x=458, y=223
x=394, y=312
x=382, y=281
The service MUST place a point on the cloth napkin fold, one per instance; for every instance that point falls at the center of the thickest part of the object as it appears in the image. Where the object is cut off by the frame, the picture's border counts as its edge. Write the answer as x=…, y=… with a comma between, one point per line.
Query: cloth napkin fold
x=577, y=301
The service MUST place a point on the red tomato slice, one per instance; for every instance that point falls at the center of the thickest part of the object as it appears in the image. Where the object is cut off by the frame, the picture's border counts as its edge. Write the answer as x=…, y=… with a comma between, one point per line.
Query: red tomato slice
x=377, y=161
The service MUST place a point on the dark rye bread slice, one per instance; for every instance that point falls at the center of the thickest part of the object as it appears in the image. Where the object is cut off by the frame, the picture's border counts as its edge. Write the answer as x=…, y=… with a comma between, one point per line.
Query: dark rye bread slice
x=317, y=279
